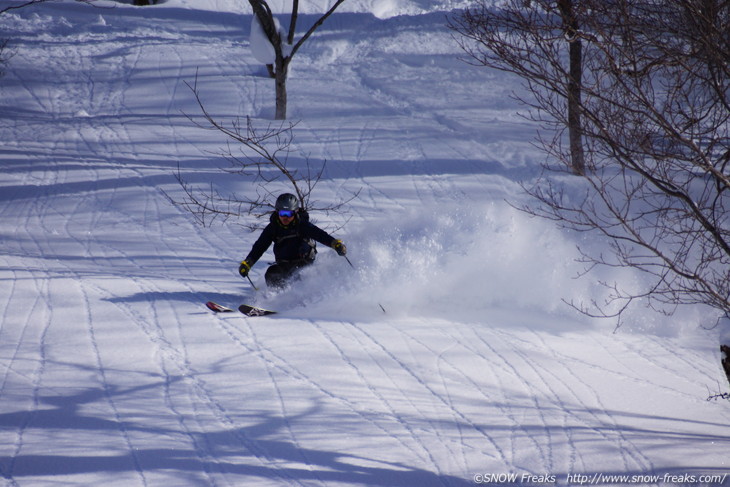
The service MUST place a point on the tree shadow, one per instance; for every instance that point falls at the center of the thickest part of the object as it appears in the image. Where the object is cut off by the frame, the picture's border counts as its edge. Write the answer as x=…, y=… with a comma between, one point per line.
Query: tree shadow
x=244, y=452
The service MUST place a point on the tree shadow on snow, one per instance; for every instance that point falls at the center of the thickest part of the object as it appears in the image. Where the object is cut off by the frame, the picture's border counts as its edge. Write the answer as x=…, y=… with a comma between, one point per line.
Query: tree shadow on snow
x=244, y=452
x=249, y=445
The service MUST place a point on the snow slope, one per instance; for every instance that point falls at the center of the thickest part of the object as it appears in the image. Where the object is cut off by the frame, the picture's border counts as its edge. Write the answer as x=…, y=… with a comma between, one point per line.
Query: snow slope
x=113, y=373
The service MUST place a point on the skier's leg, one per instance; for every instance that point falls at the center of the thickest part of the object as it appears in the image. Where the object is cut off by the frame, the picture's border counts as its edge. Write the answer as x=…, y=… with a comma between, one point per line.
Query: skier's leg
x=276, y=276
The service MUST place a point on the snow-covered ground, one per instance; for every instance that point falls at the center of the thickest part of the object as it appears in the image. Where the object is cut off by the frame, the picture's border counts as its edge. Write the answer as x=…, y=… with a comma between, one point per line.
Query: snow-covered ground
x=113, y=373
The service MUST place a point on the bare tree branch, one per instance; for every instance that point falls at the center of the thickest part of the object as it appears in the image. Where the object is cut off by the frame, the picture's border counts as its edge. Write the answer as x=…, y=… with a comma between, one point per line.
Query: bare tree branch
x=259, y=155
x=655, y=113
x=35, y=2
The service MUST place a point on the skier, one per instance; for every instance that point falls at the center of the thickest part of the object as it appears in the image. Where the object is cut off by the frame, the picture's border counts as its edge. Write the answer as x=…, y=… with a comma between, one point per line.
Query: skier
x=293, y=236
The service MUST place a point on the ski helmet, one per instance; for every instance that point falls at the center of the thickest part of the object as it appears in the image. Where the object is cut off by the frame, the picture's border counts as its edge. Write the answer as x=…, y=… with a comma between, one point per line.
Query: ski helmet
x=287, y=201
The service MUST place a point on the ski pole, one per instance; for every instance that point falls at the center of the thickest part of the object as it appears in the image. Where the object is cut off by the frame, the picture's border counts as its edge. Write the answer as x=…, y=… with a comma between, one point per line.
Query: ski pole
x=351, y=265
x=252, y=284
x=348, y=261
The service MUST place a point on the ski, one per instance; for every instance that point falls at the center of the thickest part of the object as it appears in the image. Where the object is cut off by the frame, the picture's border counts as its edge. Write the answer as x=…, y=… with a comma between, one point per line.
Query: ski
x=217, y=307
x=254, y=311
x=244, y=308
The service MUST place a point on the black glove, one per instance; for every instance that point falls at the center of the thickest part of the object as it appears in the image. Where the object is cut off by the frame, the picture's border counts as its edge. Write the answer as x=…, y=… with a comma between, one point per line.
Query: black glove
x=244, y=268
x=339, y=248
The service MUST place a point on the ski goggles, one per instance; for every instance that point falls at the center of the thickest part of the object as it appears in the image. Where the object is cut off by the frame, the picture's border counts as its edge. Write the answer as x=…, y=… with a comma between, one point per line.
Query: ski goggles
x=286, y=213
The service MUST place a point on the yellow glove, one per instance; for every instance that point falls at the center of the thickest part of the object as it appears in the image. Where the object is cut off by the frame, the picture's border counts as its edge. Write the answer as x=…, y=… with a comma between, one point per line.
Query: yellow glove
x=339, y=247
x=244, y=268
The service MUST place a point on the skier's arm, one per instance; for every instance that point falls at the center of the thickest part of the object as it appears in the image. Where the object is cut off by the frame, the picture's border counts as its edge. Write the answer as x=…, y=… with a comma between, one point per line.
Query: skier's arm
x=260, y=246
x=325, y=238
x=310, y=230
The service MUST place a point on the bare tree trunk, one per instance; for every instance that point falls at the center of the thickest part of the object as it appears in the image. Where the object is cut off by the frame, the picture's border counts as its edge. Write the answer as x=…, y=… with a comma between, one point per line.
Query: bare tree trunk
x=282, y=69
x=570, y=28
x=726, y=360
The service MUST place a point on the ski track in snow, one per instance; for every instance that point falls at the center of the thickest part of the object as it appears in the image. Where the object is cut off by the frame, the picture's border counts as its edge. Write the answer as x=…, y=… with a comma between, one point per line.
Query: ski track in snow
x=272, y=360
x=426, y=456
x=113, y=373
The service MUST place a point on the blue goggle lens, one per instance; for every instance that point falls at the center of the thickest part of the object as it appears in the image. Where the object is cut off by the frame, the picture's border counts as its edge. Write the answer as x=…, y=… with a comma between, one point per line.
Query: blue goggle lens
x=286, y=213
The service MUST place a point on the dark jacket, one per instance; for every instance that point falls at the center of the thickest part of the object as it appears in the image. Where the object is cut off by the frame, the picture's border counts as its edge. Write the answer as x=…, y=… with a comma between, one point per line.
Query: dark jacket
x=292, y=243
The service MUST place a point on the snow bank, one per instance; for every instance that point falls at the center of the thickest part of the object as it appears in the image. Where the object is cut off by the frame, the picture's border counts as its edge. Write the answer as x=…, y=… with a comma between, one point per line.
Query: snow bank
x=261, y=47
